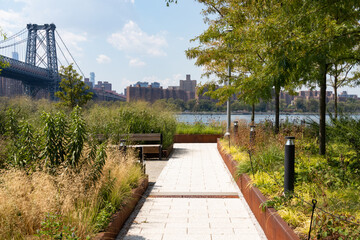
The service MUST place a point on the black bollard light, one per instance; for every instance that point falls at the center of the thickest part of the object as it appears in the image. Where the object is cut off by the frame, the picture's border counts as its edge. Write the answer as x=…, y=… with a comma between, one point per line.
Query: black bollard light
x=236, y=127
x=289, y=163
x=252, y=134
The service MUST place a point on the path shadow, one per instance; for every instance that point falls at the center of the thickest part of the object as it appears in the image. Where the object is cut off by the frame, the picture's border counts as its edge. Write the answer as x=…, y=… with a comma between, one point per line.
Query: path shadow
x=133, y=215
x=178, y=151
x=134, y=237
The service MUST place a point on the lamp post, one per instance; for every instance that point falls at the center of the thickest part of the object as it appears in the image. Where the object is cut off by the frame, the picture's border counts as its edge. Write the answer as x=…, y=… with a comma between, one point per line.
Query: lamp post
x=236, y=127
x=228, y=109
x=252, y=134
x=227, y=134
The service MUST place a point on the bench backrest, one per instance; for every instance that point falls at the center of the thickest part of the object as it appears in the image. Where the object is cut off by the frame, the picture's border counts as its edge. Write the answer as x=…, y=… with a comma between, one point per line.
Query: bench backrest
x=143, y=137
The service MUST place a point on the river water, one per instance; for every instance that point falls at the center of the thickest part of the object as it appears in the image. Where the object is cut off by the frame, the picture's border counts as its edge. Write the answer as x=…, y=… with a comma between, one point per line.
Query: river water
x=191, y=118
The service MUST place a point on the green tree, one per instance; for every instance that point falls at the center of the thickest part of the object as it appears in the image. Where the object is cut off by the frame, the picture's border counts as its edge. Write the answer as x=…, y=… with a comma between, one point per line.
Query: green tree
x=281, y=44
x=339, y=77
x=300, y=104
x=73, y=91
x=221, y=49
x=312, y=105
x=190, y=105
x=323, y=33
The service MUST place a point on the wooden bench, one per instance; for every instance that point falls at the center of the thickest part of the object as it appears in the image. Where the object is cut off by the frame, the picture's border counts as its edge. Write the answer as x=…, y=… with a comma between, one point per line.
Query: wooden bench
x=146, y=142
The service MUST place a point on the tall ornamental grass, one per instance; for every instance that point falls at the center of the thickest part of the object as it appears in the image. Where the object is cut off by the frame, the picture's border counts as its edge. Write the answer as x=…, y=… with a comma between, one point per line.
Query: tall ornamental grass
x=118, y=119
x=55, y=180
x=200, y=128
x=42, y=205
x=110, y=119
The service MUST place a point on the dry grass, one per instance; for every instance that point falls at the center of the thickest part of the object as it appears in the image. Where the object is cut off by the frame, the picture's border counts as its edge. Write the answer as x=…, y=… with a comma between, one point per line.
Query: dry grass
x=26, y=199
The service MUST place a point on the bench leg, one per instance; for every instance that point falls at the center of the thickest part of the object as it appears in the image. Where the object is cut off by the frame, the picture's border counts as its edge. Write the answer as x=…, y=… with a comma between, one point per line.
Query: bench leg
x=160, y=153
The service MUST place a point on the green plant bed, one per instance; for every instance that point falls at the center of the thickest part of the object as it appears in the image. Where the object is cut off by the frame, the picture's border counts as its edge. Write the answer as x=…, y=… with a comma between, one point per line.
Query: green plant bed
x=56, y=181
x=333, y=181
x=199, y=128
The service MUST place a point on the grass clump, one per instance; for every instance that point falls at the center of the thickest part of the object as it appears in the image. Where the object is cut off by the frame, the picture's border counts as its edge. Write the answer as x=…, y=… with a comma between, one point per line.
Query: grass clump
x=117, y=119
x=200, y=128
x=36, y=203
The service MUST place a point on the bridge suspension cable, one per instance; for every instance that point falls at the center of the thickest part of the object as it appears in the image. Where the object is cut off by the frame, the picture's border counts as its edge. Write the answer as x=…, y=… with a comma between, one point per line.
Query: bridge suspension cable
x=13, y=44
x=62, y=54
x=70, y=54
x=7, y=39
x=10, y=46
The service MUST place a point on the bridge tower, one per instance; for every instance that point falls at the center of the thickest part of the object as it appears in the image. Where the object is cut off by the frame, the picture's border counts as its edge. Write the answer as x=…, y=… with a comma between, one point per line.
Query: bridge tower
x=33, y=58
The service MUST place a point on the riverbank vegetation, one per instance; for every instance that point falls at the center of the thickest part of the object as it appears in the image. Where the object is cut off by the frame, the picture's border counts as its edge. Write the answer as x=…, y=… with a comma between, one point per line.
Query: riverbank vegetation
x=200, y=128
x=300, y=105
x=333, y=181
x=58, y=178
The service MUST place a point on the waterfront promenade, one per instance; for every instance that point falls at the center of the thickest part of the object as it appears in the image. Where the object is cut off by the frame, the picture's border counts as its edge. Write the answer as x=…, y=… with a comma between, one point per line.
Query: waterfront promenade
x=194, y=197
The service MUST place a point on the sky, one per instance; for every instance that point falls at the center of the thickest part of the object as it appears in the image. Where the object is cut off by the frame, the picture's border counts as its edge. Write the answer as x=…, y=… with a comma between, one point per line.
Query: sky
x=121, y=41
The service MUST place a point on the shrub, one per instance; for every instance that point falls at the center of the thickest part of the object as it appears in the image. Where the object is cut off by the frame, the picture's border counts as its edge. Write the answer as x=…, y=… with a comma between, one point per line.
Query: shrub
x=200, y=128
x=118, y=119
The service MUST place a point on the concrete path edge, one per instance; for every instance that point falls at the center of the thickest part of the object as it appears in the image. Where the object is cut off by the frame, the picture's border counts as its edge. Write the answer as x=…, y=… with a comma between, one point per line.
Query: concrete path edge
x=119, y=218
x=272, y=224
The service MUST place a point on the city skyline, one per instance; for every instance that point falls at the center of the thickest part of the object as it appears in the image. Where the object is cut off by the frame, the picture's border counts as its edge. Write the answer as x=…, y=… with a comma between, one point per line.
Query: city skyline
x=122, y=41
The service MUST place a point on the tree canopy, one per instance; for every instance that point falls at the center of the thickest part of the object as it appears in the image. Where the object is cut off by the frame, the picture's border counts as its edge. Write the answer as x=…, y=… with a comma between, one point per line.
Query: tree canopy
x=276, y=45
x=73, y=92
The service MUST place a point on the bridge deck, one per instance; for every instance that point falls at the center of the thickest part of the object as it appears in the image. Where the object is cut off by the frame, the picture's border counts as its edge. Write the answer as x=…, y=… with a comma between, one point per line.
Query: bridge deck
x=194, y=198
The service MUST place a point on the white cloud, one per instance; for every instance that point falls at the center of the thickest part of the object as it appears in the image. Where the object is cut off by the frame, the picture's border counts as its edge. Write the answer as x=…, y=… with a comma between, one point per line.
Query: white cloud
x=132, y=39
x=132, y=1
x=11, y=21
x=73, y=42
x=103, y=59
x=135, y=62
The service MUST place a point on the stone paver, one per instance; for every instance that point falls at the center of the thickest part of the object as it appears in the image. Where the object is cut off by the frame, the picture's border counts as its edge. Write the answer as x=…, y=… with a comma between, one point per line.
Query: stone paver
x=154, y=168
x=194, y=168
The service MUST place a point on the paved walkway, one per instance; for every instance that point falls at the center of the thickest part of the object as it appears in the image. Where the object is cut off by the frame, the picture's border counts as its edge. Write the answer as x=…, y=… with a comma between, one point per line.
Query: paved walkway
x=194, y=198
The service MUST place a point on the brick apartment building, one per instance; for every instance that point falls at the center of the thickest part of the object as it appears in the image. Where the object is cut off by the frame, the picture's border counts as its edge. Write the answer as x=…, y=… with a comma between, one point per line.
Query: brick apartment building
x=150, y=93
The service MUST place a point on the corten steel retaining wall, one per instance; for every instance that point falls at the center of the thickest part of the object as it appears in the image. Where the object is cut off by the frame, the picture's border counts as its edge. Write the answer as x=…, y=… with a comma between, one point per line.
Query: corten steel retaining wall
x=196, y=138
x=119, y=218
x=275, y=228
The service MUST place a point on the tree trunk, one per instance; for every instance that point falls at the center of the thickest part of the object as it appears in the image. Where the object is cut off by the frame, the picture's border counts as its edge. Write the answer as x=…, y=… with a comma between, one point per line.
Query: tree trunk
x=277, y=109
x=335, y=97
x=322, y=124
x=253, y=114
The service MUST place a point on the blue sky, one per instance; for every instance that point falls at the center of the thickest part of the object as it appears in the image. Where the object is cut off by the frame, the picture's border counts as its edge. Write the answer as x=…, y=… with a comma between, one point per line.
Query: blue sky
x=122, y=41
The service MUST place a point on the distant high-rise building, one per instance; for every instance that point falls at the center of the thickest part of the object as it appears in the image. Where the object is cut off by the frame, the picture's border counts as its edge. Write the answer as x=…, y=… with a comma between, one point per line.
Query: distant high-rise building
x=103, y=86
x=107, y=86
x=92, y=78
x=155, y=85
x=188, y=84
x=87, y=82
x=15, y=55
x=141, y=84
